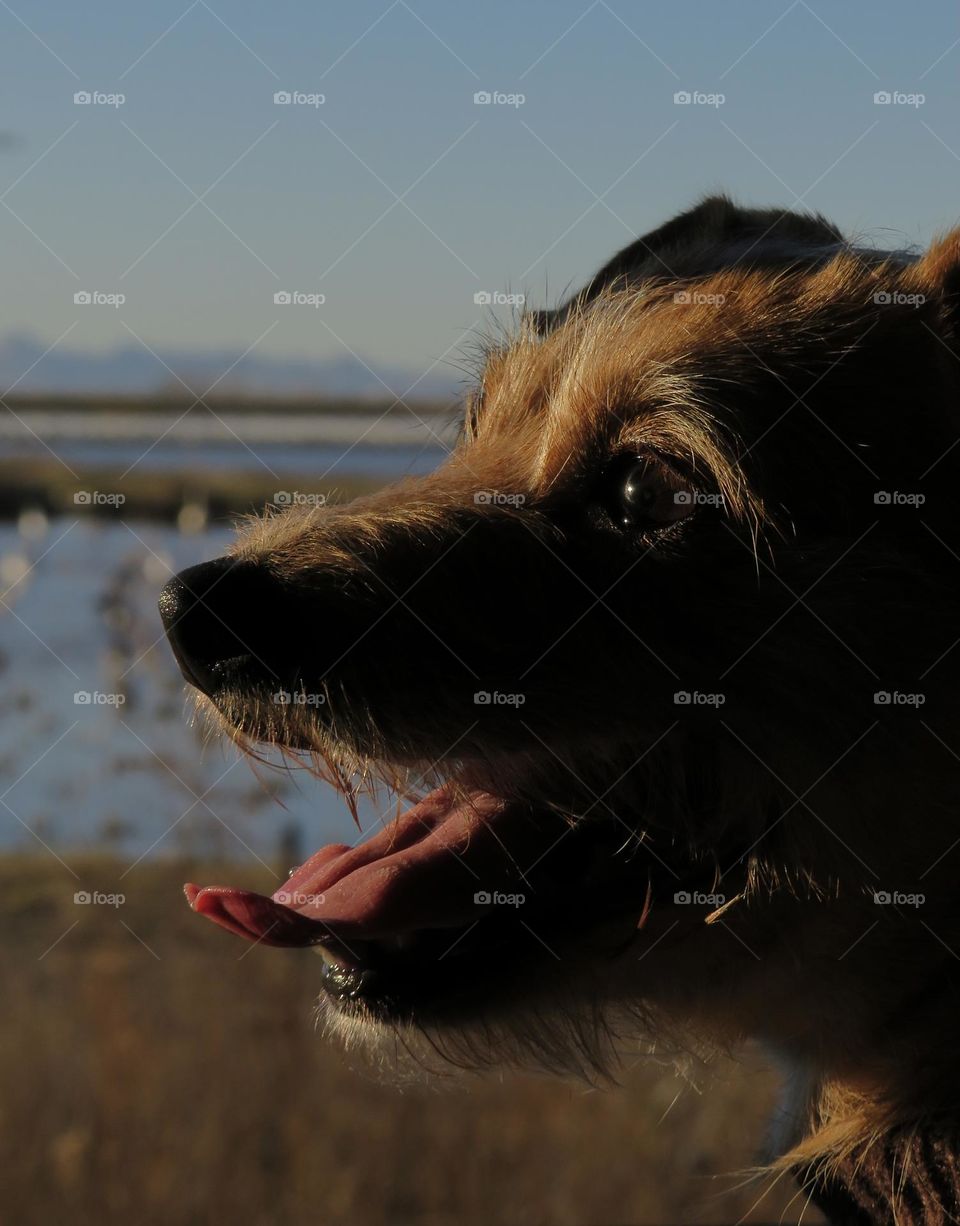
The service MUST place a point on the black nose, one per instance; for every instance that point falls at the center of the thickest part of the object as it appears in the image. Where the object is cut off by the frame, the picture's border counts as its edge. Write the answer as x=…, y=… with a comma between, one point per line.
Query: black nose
x=214, y=615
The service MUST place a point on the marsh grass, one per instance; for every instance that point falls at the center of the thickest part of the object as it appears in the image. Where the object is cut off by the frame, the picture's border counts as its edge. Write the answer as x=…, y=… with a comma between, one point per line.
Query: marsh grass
x=154, y=1070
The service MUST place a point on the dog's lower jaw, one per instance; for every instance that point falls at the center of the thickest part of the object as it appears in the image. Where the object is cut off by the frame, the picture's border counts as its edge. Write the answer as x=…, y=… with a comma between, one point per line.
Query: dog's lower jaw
x=553, y=1034
x=471, y=982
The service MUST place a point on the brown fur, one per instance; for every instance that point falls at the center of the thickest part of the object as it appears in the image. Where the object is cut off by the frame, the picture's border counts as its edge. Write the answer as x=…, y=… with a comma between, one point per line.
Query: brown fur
x=789, y=394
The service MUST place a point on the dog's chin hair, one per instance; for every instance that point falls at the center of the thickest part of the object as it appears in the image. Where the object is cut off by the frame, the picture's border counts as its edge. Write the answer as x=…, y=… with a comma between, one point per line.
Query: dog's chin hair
x=261, y=732
x=588, y=1042
x=256, y=728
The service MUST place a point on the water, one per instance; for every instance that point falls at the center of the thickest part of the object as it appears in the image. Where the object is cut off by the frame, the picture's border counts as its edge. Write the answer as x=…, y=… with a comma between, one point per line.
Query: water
x=123, y=769
x=383, y=445
x=96, y=748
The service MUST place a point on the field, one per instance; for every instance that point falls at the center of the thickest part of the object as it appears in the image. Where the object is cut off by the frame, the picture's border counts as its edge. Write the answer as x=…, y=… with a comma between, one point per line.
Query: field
x=156, y=1071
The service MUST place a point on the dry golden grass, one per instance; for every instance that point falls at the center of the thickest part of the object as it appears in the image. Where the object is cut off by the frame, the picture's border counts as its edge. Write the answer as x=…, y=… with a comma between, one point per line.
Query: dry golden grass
x=155, y=1070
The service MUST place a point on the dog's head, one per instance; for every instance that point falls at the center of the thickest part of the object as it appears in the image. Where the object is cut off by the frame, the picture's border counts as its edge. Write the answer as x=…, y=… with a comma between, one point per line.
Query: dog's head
x=654, y=635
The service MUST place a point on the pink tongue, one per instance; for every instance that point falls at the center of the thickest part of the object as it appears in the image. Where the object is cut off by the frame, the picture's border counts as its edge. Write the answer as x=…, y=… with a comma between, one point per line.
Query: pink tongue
x=422, y=871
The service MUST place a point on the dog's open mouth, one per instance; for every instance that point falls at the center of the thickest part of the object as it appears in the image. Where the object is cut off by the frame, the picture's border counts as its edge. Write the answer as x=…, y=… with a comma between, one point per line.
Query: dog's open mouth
x=460, y=877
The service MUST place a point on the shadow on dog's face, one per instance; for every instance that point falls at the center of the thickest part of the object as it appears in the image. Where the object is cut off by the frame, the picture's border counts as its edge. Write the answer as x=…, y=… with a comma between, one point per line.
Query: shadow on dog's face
x=636, y=632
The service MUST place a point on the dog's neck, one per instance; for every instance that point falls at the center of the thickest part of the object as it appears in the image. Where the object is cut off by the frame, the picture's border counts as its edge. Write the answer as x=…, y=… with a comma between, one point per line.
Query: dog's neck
x=911, y=1179
x=904, y=1173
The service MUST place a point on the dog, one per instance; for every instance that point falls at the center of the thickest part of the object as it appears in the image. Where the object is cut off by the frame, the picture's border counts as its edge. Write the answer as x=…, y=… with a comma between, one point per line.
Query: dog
x=664, y=657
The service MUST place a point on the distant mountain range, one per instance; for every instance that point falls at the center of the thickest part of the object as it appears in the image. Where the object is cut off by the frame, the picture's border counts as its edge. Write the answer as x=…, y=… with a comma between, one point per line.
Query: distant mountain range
x=129, y=369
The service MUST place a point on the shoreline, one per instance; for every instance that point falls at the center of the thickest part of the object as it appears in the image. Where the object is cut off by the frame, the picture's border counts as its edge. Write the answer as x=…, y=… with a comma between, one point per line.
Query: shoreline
x=47, y=485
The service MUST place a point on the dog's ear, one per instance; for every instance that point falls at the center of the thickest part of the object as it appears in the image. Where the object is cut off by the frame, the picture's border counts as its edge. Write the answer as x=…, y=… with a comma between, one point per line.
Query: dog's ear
x=937, y=275
x=713, y=235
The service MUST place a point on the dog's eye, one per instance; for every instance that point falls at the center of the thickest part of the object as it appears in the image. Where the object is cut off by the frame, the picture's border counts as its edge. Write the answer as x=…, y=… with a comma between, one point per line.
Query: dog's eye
x=650, y=493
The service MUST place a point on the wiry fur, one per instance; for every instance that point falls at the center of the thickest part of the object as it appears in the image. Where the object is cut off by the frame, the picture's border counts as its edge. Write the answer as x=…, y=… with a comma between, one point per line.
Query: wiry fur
x=785, y=389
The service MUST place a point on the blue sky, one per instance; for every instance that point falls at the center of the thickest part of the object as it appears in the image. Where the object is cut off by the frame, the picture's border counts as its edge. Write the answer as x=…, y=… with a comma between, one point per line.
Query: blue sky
x=503, y=197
